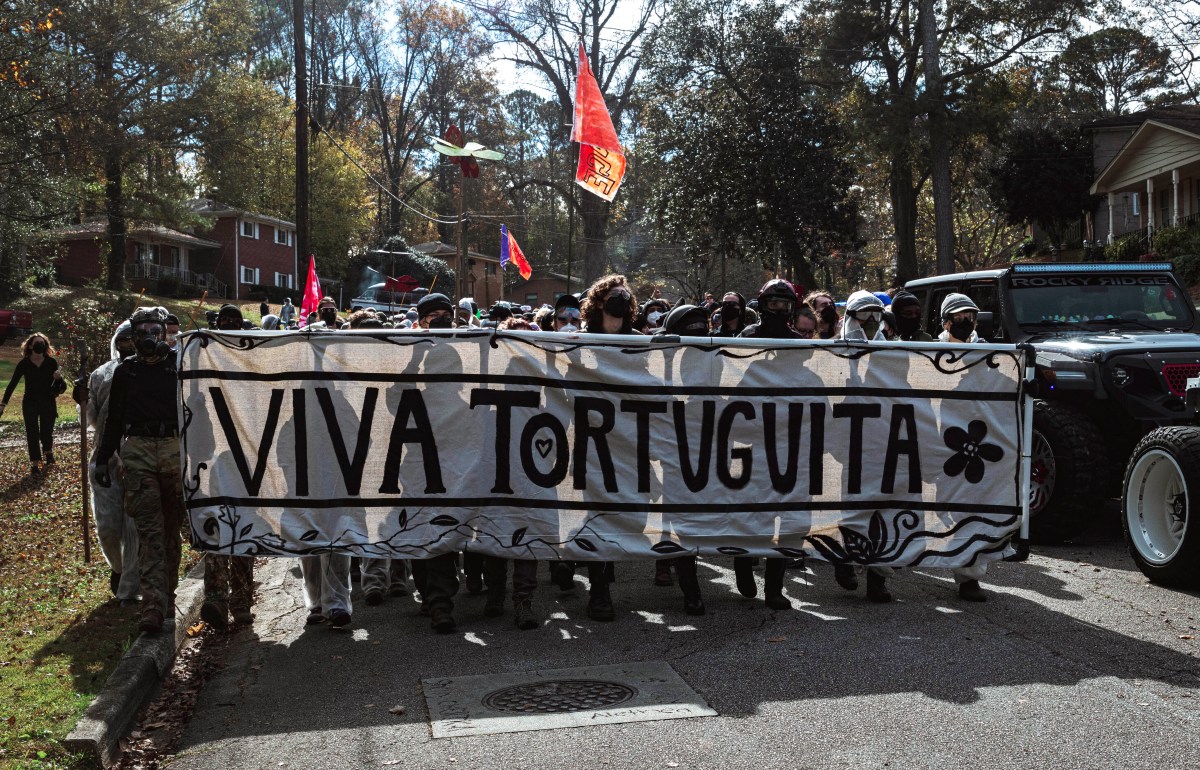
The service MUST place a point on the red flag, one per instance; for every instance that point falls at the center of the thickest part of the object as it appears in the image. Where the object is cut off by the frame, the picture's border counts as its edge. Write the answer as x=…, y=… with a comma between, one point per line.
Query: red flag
x=601, y=159
x=509, y=250
x=312, y=291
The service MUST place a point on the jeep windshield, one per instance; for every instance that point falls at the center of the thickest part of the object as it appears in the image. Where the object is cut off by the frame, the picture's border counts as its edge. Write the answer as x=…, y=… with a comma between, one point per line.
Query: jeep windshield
x=1099, y=301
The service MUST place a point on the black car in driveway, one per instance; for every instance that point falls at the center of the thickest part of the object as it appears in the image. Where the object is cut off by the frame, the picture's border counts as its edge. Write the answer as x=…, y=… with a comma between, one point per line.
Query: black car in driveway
x=1114, y=345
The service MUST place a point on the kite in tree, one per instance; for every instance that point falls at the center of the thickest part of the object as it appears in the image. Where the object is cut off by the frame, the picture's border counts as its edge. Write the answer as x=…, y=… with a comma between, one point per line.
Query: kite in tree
x=463, y=155
x=601, y=159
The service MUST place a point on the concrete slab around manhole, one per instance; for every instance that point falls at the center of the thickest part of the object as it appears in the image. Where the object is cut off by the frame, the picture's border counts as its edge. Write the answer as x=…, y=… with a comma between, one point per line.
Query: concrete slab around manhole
x=562, y=697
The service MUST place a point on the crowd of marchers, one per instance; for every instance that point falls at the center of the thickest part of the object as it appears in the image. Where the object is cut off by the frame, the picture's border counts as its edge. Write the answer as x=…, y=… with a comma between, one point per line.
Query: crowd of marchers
x=137, y=496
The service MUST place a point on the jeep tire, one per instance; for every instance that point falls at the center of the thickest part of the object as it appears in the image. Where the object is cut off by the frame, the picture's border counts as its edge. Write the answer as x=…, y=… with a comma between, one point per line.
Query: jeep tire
x=1066, y=490
x=1161, y=483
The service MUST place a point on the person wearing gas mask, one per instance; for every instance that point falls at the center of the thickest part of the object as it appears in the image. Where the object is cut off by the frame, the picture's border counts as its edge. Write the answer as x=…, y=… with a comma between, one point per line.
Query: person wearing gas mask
x=566, y=314
x=825, y=308
x=776, y=307
x=958, y=315
x=287, y=312
x=733, y=315
x=864, y=319
x=142, y=409
x=863, y=323
x=465, y=316
x=116, y=532
x=906, y=309
x=38, y=406
x=327, y=315
x=228, y=580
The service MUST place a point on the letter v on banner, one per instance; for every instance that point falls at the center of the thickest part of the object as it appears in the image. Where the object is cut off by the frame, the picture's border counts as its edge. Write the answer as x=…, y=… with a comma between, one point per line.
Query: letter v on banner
x=601, y=159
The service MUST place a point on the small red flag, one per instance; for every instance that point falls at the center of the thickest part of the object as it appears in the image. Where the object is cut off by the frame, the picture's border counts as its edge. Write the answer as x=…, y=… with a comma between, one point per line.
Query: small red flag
x=312, y=291
x=601, y=159
x=509, y=250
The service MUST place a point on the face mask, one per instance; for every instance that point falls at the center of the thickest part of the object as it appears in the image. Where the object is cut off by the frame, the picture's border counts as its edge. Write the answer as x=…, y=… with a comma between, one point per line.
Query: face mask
x=961, y=330
x=329, y=316
x=125, y=348
x=39, y=347
x=829, y=314
x=652, y=318
x=870, y=328
x=617, y=306
x=907, y=326
x=731, y=310
x=171, y=338
x=568, y=328
x=440, y=323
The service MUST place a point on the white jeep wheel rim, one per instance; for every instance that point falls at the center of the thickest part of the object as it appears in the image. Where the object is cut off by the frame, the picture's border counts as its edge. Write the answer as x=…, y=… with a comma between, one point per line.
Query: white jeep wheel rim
x=1043, y=474
x=1157, y=507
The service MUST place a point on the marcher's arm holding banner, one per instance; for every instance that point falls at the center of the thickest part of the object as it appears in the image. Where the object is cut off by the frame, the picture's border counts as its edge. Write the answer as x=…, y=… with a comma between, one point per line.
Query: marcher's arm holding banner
x=114, y=427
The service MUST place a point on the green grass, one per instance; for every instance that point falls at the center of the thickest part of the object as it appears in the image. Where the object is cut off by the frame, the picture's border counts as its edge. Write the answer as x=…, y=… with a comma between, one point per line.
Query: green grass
x=60, y=635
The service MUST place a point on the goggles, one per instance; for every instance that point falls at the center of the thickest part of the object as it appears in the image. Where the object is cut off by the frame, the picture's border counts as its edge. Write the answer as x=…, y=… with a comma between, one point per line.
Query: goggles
x=568, y=315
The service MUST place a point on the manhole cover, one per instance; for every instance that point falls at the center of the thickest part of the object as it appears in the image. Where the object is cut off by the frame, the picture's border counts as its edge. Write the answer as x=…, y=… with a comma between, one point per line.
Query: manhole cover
x=559, y=696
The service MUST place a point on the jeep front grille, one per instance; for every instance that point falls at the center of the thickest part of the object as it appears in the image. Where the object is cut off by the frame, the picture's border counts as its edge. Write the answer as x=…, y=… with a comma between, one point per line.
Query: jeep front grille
x=1177, y=376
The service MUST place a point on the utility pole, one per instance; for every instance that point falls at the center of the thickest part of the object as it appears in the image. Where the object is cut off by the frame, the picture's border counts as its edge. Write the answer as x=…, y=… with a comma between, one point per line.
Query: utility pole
x=303, y=238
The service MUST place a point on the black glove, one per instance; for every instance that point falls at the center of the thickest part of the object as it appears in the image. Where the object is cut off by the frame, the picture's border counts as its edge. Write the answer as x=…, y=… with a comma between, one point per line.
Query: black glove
x=100, y=474
x=80, y=392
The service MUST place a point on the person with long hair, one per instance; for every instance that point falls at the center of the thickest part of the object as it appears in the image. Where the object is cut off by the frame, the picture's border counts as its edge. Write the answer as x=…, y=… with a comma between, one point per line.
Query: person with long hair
x=40, y=370
x=825, y=309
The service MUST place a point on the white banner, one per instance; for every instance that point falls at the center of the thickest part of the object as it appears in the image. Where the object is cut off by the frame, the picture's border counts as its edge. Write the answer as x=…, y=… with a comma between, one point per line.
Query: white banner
x=547, y=446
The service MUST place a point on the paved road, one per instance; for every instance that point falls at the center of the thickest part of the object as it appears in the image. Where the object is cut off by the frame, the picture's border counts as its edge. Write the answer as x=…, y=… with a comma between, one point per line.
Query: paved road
x=1075, y=662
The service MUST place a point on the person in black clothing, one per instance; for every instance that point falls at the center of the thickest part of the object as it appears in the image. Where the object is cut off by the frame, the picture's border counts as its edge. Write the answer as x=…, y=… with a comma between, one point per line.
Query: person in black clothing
x=38, y=408
x=776, y=308
x=733, y=315
x=143, y=409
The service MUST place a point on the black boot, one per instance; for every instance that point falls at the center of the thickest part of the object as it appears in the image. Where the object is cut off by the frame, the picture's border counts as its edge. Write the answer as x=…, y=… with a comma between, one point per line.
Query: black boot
x=662, y=572
x=877, y=587
x=600, y=606
x=743, y=571
x=845, y=577
x=693, y=601
x=496, y=571
x=773, y=586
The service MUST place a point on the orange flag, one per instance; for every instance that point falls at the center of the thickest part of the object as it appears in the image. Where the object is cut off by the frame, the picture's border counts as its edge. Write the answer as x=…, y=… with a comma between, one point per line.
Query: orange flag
x=601, y=159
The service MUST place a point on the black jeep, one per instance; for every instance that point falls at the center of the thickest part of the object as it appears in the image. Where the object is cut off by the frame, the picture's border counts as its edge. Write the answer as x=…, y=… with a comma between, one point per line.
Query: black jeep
x=1114, y=343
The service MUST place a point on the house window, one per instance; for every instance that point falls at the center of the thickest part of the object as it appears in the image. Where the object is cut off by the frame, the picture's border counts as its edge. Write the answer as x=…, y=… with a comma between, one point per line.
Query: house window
x=531, y=299
x=1137, y=209
x=490, y=269
x=283, y=280
x=283, y=237
x=249, y=229
x=249, y=275
x=147, y=253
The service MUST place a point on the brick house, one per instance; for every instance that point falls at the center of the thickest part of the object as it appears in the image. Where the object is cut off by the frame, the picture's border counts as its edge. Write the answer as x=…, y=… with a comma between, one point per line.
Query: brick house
x=543, y=288
x=479, y=278
x=255, y=251
x=155, y=256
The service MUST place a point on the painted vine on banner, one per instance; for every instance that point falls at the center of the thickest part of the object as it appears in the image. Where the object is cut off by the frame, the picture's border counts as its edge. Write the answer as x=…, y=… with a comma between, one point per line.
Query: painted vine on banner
x=545, y=446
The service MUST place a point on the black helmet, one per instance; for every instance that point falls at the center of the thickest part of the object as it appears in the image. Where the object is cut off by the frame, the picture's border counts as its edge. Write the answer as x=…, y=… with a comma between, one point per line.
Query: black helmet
x=686, y=321
x=776, y=288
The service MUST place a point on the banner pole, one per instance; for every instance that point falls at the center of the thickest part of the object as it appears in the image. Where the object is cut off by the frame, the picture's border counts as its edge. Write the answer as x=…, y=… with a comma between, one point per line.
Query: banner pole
x=1026, y=444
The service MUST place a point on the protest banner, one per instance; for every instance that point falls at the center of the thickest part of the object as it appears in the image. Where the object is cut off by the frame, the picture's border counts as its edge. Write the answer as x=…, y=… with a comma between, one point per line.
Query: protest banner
x=547, y=446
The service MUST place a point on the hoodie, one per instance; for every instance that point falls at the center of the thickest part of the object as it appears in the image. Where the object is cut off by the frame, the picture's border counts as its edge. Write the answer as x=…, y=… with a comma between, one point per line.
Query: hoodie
x=851, y=328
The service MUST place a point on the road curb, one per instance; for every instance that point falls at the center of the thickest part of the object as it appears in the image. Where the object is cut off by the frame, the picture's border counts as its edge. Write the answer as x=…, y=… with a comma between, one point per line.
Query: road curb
x=136, y=678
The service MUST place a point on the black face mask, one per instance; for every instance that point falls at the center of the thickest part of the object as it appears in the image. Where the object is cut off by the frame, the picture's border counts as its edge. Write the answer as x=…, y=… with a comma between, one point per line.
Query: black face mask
x=907, y=326
x=124, y=350
x=829, y=314
x=441, y=323
x=730, y=311
x=39, y=347
x=961, y=330
x=329, y=316
x=617, y=306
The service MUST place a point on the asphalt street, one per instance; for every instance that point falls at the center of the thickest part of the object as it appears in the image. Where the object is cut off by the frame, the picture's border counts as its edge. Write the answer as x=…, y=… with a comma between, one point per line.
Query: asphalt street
x=1075, y=661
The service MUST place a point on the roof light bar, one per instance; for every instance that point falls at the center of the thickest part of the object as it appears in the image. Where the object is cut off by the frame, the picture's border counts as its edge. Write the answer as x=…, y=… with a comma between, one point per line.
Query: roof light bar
x=1081, y=267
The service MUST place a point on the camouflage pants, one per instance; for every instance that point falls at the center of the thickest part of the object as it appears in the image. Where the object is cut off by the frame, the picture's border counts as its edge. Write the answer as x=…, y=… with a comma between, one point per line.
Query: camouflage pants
x=154, y=499
x=229, y=581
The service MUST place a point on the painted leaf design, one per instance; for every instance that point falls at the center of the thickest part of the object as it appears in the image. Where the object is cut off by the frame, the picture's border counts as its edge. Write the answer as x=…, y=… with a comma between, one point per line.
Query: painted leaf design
x=444, y=521
x=732, y=550
x=877, y=533
x=245, y=530
x=403, y=521
x=858, y=547
x=310, y=535
x=584, y=543
x=794, y=553
x=666, y=546
x=518, y=536
x=211, y=526
x=828, y=547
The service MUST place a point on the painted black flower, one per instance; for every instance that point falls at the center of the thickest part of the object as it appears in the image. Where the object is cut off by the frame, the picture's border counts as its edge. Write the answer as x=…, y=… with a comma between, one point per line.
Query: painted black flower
x=970, y=451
